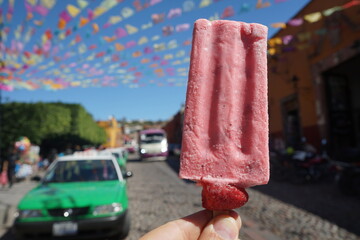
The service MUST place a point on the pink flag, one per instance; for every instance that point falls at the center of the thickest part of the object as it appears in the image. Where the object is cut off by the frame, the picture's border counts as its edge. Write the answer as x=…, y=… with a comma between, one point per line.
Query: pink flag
x=106, y=25
x=120, y=32
x=170, y=71
x=90, y=14
x=155, y=58
x=157, y=18
x=138, y=74
x=164, y=62
x=175, y=12
x=43, y=11
x=228, y=12
x=65, y=16
x=6, y=87
x=153, y=2
x=47, y=46
x=167, y=30
x=28, y=7
x=287, y=39
x=296, y=22
x=351, y=4
x=130, y=44
x=148, y=50
x=182, y=27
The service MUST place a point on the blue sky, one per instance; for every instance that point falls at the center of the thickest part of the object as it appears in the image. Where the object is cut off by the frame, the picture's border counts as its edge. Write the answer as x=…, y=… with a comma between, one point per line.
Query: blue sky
x=133, y=90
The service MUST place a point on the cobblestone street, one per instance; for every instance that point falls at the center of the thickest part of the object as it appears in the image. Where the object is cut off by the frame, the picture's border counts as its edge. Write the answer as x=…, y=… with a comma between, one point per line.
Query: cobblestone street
x=157, y=196
x=323, y=199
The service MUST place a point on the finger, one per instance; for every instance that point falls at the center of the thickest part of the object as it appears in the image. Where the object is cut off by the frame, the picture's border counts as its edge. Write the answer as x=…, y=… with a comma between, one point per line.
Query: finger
x=222, y=227
x=187, y=228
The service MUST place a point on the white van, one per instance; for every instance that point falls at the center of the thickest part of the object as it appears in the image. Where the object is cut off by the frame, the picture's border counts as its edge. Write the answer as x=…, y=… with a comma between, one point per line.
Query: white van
x=153, y=144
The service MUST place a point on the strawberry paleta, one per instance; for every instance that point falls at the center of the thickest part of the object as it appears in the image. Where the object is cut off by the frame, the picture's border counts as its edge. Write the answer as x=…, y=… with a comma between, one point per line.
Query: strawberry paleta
x=225, y=133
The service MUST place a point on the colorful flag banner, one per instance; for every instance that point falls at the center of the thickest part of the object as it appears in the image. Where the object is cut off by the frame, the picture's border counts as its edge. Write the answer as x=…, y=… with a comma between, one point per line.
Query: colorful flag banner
x=116, y=42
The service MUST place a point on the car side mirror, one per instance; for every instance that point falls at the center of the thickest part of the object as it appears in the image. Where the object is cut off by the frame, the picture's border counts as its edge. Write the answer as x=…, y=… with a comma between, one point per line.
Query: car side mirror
x=128, y=174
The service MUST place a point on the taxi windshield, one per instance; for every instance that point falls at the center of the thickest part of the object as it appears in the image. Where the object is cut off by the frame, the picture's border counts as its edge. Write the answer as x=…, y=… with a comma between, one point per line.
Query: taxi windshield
x=81, y=171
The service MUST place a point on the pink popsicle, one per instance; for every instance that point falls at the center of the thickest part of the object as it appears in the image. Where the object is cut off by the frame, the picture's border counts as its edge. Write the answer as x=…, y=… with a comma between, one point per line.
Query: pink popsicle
x=225, y=134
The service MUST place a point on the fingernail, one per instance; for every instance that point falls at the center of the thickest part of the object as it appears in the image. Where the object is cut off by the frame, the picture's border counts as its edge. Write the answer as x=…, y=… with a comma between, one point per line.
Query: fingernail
x=226, y=228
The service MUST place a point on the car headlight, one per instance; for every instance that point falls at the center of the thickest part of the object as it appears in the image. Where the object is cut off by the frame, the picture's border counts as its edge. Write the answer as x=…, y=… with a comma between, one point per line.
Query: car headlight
x=143, y=151
x=106, y=209
x=28, y=213
x=164, y=149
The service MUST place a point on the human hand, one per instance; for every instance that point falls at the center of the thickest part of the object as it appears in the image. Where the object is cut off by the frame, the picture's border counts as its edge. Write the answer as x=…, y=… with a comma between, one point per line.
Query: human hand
x=199, y=226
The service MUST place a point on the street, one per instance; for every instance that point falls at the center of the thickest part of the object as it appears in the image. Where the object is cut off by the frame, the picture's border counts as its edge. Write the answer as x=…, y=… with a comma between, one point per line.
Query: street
x=157, y=195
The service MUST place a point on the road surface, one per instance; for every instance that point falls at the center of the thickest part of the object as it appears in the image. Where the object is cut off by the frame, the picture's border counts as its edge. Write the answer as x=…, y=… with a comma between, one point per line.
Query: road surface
x=157, y=195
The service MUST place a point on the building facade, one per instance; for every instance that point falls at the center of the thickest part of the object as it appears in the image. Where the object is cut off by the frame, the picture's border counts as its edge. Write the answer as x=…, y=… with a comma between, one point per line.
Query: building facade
x=314, y=79
x=113, y=132
x=174, y=127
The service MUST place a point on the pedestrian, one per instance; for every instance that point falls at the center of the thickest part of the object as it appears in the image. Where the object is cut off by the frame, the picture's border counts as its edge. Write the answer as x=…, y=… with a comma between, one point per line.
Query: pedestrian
x=199, y=226
x=12, y=158
x=3, y=174
x=8, y=167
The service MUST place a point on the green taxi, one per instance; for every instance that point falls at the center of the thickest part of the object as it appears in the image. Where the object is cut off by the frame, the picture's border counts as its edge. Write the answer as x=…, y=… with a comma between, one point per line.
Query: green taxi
x=120, y=154
x=80, y=197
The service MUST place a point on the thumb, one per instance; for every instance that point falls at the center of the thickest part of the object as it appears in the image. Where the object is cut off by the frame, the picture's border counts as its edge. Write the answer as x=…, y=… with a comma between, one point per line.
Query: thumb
x=222, y=227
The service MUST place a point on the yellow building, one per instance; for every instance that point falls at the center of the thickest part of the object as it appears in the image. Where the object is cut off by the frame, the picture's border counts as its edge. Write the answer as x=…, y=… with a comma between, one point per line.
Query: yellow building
x=314, y=78
x=113, y=132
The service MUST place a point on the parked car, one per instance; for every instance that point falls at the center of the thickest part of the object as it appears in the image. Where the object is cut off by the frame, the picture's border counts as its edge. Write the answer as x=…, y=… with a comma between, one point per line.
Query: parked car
x=79, y=196
x=120, y=154
x=131, y=148
x=174, y=149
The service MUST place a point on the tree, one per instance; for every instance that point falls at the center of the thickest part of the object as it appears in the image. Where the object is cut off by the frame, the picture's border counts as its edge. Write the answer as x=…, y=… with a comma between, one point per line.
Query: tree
x=49, y=124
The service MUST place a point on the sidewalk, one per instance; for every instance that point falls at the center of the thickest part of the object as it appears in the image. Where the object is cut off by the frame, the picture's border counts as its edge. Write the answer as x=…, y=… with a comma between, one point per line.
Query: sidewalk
x=9, y=198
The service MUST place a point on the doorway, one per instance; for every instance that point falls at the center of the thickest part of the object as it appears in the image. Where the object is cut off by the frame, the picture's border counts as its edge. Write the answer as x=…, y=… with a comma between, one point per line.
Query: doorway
x=291, y=121
x=342, y=89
